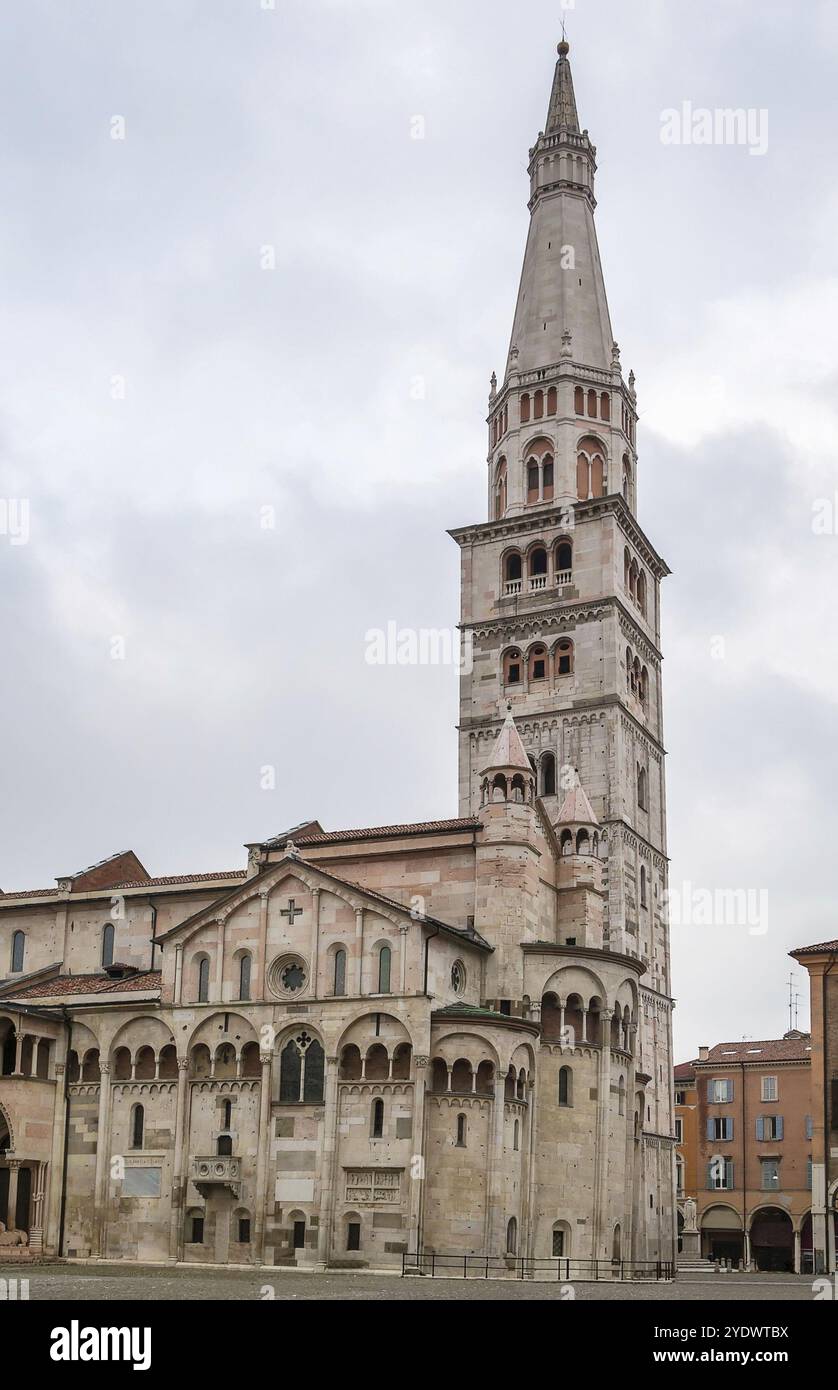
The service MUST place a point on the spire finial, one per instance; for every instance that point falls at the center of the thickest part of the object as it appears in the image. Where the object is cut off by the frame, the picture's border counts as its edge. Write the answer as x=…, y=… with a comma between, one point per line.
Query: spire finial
x=564, y=46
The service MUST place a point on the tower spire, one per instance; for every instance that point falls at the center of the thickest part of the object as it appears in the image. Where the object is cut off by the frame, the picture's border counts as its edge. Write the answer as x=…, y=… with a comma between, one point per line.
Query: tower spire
x=562, y=109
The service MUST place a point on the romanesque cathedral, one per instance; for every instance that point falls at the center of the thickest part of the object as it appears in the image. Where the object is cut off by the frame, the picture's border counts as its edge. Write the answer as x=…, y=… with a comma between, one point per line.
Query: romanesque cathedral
x=448, y=1038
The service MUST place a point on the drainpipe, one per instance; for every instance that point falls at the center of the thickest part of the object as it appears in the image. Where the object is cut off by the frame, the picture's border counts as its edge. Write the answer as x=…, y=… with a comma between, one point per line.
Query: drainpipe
x=68, y=1024
x=153, y=931
x=746, y=1244
x=829, y=1216
x=428, y=940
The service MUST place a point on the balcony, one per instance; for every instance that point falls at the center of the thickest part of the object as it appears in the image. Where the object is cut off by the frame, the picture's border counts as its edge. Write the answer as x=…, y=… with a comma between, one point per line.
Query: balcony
x=512, y=586
x=538, y=581
x=564, y=577
x=214, y=1173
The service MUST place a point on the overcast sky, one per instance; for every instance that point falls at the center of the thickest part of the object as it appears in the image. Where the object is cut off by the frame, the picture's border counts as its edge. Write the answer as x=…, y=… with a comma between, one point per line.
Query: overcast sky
x=165, y=394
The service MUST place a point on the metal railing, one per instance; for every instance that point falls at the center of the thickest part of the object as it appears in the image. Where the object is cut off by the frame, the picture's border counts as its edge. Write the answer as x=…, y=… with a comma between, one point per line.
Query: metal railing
x=558, y=1269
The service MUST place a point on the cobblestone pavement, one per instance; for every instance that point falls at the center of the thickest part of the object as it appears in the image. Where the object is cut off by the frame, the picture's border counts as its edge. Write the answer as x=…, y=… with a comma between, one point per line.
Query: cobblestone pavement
x=150, y=1284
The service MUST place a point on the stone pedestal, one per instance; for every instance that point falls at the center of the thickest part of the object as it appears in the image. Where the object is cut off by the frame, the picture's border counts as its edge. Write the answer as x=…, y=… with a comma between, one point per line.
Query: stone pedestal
x=690, y=1245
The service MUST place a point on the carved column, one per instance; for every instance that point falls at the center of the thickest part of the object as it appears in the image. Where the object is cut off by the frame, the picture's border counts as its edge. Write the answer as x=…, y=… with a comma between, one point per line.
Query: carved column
x=266, y=1059
x=11, y=1215
x=359, y=950
x=178, y=1207
x=263, y=942
x=178, y=985
x=328, y=1175
x=603, y=1127
x=102, y=1184
x=417, y=1175
x=315, y=940
x=219, y=964
x=403, y=930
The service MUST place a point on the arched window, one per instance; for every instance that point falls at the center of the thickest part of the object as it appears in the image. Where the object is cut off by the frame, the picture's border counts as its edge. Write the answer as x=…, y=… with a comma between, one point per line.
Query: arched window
x=461, y=1131
x=552, y=401
x=512, y=668
x=340, y=971
x=561, y=1245
x=500, y=489
x=644, y=687
x=516, y=1134
x=377, y=1119
x=538, y=405
x=641, y=592
x=512, y=573
x=107, y=945
x=642, y=886
x=224, y=1146
x=547, y=479
x=564, y=658
x=512, y=1237
x=532, y=481
x=565, y=1086
x=605, y=406
x=203, y=979
x=384, y=960
x=564, y=562
x=583, y=477
x=548, y=774
x=538, y=664
x=525, y=408
x=302, y=1071
x=592, y=404
x=538, y=568
x=244, y=977
x=642, y=788
x=353, y=1233
x=579, y=401
x=137, y=1126
x=18, y=949
x=626, y=478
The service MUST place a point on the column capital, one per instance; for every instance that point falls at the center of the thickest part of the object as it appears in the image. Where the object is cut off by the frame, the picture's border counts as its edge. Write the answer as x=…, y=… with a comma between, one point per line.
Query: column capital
x=183, y=1063
x=266, y=1058
x=104, y=1069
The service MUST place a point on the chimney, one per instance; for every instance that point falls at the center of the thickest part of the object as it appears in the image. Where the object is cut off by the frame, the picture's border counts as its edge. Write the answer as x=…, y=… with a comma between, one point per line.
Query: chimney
x=703, y=1054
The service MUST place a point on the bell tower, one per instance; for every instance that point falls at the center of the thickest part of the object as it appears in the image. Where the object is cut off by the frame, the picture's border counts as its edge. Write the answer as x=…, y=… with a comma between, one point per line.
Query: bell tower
x=560, y=586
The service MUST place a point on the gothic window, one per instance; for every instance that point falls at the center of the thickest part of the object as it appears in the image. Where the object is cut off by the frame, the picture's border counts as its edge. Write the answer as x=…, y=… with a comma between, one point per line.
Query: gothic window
x=525, y=409
x=18, y=948
x=579, y=401
x=642, y=788
x=137, y=1125
x=564, y=562
x=552, y=401
x=548, y=774
x=500, y=489
x=512, y=668
x=244, y=977
x=564, y=658
x=340, y=971
x=626, y=478
x=513, y=572
x=532, y=481
x=605, y=406
x=301, y=1071
x=377, y=1119
x=512, y=1237
x=385, y=957
x=644, y=687
x=592, y=404
x=538, y=568
x=641, y=592
x=538, y=664
x=461, y=1131
x=548, y=480
x=538, y=403
x=203, y=979
x=583, y=477
x=565, y=1086
x=107, y=945
x=597, y=476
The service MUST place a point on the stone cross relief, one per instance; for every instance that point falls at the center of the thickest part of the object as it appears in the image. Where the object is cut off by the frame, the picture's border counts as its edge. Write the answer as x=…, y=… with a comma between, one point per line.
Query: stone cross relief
x=291, y=911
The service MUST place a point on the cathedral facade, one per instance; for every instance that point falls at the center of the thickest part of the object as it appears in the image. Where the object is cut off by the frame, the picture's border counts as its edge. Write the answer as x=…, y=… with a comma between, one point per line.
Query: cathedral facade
x=452, y=1037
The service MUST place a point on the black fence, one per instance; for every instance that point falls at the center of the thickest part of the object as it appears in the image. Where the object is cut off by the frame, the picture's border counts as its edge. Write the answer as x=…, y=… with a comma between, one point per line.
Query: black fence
x=562, y=1271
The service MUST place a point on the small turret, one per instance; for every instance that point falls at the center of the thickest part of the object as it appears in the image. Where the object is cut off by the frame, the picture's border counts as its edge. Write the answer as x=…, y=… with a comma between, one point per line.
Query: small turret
x=580, y=878
x=508, y=775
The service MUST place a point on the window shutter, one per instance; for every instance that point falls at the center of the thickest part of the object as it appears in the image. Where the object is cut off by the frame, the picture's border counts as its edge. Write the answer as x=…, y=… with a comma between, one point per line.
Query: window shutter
x=711, y=1131
x=729, y=1174
x=730, y=1090
x=809, y=1127
x=729, y=1129
x=809, y=1173
x=778, y=1125
x=710, y=1183
x=760, y=1128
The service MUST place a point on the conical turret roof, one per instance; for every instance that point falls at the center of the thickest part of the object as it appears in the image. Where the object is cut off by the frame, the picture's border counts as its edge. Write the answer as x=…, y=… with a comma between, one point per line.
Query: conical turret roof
x=508, y=752
x=577, y=809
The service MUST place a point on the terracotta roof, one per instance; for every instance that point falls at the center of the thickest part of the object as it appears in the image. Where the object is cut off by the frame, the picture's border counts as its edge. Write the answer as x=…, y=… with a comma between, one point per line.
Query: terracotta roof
x=770, y=1050
x=824, y=948
x=87, y=984
x=684, y=1071
x=166, y=881
x=381, y=832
